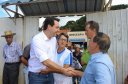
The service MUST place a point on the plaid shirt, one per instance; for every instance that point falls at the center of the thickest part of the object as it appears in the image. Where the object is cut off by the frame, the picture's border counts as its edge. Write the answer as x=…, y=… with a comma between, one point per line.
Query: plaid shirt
x=12, y=53
x=76, y=64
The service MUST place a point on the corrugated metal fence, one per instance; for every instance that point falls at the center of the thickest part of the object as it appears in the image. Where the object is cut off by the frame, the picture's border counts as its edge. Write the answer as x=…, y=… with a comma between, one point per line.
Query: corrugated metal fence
x=115, y=25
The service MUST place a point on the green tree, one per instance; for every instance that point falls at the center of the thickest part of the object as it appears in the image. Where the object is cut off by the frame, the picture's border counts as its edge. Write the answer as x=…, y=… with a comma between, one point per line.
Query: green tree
x=117, y=7
x=68, y=25
x=40, y=29
x=81, y=23
x=78, y=25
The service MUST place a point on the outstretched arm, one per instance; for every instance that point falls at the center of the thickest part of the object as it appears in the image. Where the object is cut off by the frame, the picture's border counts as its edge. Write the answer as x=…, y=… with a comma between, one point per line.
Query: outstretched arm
x=82, y=62
x=48, y=70
x=77, y=73
x=57, y=68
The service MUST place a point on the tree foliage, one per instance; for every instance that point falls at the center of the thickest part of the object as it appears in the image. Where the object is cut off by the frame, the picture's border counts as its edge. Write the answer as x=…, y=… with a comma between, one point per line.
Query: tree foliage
x=117, y=7
x=40, y=29
x=78, y=25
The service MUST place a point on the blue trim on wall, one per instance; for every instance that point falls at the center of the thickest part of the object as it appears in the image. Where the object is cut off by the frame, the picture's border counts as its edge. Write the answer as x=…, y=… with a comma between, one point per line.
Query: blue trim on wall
x=76, y=39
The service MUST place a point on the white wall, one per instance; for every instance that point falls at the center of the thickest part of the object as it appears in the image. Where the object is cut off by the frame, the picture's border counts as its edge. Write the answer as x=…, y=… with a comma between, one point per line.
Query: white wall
x=115, y=25
x=31, y=26
x=25, y=28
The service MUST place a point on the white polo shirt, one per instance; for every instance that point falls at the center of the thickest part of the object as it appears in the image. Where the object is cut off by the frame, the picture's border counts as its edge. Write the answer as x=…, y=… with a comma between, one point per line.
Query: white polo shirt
x=41, y=49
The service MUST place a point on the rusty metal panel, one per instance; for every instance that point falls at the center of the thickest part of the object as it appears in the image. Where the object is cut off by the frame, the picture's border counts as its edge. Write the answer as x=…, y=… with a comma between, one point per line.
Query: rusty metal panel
x=44, y=8
x=60, y=6
x=35, y=8
x=71, y=6
x=27, y=9
x=52, y=6
x=90, y=4
x=80, y=6
x=98, y=5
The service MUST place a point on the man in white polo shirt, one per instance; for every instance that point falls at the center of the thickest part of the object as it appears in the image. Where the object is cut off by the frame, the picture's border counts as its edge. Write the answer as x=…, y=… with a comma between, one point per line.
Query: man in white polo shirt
x=43, y=54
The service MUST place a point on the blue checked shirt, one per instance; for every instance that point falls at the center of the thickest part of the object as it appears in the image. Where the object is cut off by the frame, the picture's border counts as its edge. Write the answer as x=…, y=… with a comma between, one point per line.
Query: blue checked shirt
x=12, y=53
x=100, y=70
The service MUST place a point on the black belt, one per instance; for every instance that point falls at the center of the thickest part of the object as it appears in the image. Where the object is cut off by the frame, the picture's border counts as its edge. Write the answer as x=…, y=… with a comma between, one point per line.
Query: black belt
x=12, y=63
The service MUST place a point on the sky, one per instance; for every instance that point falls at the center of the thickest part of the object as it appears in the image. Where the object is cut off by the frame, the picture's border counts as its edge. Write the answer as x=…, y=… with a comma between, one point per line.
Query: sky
x=63, y=20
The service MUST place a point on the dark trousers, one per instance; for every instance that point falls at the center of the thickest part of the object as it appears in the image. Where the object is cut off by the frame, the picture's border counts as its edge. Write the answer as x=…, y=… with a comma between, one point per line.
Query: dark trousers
x=78, y=78
x=11, y=73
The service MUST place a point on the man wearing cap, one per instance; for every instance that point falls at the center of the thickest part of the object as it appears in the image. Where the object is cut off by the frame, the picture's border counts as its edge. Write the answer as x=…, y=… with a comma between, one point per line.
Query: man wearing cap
x=77, y=54
x=11, y=52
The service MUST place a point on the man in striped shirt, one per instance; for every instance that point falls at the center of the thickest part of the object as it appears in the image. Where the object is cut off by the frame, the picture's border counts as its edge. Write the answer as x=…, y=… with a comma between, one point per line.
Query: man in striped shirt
x=11, y=52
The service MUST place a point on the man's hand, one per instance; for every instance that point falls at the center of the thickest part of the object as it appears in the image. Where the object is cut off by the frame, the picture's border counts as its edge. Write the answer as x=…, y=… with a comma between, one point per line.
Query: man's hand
x=75, y=72
x=70, y=69
x=68, y=72
x=47, y=70
x=126, y=80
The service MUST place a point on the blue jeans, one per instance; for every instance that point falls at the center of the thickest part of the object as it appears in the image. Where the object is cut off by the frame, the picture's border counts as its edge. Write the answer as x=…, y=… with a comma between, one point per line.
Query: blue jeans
x=39, y=78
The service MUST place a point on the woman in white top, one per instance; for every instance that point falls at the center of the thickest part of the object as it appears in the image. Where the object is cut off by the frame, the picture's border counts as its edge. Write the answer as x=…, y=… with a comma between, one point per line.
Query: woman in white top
x=63, y=59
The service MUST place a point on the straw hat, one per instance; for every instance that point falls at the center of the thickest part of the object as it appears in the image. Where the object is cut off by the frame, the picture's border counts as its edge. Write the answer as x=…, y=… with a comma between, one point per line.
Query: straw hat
x=8, y=33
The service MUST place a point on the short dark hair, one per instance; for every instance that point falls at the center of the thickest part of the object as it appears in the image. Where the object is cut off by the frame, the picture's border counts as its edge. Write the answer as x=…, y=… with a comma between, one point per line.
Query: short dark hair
x=103, y=41
x=63, y=34
x=93, y=25
x=49, y=21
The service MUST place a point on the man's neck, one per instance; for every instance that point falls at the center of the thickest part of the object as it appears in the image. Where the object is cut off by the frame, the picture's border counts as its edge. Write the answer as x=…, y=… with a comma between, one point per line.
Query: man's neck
x=9, y=44
x=93, y=35
x=95, y=51
x=47, y=34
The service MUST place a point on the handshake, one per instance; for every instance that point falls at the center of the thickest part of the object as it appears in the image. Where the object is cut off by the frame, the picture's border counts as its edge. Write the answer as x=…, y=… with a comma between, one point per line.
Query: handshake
x=67, y=71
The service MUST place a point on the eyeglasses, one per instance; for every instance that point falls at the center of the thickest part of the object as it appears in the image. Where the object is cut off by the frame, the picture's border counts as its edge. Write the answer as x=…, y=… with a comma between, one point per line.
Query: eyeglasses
x=63, y=39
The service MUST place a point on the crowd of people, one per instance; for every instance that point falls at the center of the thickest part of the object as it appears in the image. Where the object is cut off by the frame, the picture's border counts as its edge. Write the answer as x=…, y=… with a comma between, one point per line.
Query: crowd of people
x=47, y=60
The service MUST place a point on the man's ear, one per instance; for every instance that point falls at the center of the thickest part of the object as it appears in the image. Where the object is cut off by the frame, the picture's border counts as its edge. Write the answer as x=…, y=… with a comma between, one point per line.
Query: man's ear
x=94, y=30
x=57, y=40
x=49, y=27
x=97, y=46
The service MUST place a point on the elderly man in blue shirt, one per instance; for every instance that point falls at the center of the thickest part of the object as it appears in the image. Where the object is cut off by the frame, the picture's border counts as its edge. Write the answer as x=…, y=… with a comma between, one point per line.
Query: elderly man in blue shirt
x=11, y=52
x=100, y=69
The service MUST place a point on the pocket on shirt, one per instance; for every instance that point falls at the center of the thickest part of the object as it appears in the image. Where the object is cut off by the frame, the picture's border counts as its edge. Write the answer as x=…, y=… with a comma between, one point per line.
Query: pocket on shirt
x=13, y=53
